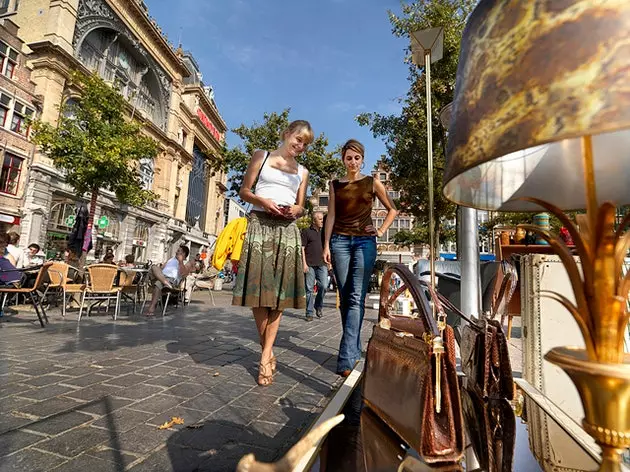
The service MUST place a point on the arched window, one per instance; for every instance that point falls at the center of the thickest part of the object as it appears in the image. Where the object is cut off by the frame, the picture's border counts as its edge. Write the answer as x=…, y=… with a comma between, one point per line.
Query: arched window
x=110, y=54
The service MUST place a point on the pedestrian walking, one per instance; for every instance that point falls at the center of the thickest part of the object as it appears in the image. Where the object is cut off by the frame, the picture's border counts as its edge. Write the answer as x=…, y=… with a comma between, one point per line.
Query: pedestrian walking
x=315, y=269
x=350, y=244
x=270, y=274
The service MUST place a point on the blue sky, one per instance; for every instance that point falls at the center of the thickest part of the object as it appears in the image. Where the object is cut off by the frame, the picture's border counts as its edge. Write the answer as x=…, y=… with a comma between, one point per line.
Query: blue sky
x=328, y=60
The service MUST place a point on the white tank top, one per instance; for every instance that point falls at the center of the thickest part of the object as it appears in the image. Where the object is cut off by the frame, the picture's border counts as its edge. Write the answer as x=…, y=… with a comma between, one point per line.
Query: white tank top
x=279, y=186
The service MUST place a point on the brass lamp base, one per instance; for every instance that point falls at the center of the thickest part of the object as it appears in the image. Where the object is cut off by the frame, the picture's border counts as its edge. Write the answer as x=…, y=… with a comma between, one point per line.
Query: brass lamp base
x=605, y=393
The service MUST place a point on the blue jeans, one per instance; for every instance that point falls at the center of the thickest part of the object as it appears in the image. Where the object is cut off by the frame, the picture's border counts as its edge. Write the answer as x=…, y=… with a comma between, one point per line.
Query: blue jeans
x=353, y=259
x=319, y=274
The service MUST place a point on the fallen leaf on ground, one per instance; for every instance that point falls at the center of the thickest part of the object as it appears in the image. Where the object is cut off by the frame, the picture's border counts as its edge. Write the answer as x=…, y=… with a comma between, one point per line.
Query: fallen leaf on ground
x=174, y=420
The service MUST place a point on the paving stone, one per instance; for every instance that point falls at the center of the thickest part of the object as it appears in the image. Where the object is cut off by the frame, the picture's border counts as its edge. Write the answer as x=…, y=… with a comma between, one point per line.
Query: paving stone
x=80, y=371
x=15, y=440
x=142, y=439
x=235, y=415
x=127, y=380
x=94, y=392
x=119, y=370
x=263, y=434
x=13, y=388
x=86, y=380
x=158, y=403
x=255, y=400
x=189, y=415
x=45, y=380
x=42, y=370
x=174, y=459
x=122, y=420
x=193, y=371
x=208, y=402
x=10, y=422
x=84, y=462
x=178, y=363
x=167, y=380
x=30, y=460
x=156, y=371
x=186, y=390
x=138, y=392
x=75, y=441
x=213, y=435
x=59, y=423
x=104, y=406
x=112, y=362
x=112, y=455
x=49, y=407
x=48, y=391
x=149, y=362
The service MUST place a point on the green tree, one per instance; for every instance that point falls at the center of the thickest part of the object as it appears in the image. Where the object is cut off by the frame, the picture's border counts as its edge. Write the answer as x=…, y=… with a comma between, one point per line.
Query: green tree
x=321, y=163
x=405, y=135
x=96, y=146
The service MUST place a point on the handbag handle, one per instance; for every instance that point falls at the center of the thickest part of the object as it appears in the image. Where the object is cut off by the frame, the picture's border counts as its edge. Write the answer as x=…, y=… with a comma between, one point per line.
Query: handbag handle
x=411, y=283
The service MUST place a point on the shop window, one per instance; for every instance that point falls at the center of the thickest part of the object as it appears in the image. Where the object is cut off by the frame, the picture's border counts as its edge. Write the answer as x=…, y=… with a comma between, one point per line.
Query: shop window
x=10, y=176
x=140, y=241
x=323, y=201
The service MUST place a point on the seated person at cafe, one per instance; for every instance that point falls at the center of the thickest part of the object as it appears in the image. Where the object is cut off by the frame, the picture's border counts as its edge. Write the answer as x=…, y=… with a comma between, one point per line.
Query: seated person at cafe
x=15, y=252
x=31, y=255
x=169, y=276
x=108, y=259
x=8, y=274
x=130, y=261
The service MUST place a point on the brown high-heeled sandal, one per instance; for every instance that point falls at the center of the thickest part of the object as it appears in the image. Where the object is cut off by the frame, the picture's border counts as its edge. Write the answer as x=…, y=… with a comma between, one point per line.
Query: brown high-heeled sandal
x=263, y=379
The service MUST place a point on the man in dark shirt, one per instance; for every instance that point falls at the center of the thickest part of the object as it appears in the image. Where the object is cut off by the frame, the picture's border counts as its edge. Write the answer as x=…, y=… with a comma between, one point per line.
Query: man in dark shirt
x=314, y=266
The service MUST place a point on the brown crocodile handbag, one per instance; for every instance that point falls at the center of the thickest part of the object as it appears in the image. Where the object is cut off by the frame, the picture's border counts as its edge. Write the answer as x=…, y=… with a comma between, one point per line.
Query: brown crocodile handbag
x=484, y=350
x=492, y=430
x=410, y=378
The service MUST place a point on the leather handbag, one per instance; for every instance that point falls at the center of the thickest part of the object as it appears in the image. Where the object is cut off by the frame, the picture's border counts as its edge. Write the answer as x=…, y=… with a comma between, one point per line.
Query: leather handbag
x=410, y=377
x=491, y=426
x=484, y=352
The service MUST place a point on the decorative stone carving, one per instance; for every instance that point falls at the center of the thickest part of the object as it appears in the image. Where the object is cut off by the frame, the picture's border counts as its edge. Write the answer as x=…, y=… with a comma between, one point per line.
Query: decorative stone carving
x=94, y=14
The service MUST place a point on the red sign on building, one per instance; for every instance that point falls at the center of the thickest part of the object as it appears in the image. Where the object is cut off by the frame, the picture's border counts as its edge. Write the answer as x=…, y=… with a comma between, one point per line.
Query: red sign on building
x=208, y=124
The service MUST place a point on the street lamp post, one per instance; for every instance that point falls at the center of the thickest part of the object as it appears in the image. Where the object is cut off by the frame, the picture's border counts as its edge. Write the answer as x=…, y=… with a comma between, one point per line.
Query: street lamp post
x=427, y=46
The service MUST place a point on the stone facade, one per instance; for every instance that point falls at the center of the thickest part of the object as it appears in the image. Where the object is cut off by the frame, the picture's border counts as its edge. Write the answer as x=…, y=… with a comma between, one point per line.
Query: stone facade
x=386, y=248
x=119, y=40
x=17, y=102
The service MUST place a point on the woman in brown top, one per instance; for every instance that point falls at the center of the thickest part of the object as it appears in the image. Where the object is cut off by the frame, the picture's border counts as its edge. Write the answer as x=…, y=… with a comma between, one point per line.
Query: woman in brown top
x=350, y=245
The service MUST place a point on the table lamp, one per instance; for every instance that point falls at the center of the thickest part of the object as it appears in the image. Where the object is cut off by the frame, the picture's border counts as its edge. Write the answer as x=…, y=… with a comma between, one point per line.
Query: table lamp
x=541, y=121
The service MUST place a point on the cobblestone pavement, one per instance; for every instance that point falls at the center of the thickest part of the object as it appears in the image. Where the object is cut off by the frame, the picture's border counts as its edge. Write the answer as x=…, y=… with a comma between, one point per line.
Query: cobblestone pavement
x=91, y=396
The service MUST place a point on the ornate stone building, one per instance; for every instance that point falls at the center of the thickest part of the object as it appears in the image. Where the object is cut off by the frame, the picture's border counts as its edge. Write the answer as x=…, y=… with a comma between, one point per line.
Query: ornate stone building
x=122, y=43
x=17, y=103
x=387, y=249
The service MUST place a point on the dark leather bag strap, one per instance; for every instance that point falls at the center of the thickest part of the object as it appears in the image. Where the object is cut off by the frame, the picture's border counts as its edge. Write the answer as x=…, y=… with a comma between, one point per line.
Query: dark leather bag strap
x=411, y=283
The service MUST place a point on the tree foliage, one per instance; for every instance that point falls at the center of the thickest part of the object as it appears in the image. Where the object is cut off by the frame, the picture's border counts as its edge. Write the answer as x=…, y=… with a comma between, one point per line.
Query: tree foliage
x=321, y=163
x=95, y=145
x=405, y=135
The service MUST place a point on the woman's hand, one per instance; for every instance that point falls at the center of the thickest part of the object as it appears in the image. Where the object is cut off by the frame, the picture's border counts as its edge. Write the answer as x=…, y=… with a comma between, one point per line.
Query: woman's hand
x=327, y=258
x=293, y=212
x=270, y=207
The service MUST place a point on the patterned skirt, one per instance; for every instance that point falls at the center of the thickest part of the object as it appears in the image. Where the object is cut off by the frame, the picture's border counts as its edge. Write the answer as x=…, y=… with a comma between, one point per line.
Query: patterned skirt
x=270, y=272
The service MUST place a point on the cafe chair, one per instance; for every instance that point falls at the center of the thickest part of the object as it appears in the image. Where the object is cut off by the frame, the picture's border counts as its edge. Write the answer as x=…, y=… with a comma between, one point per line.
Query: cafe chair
x=100, y=286
x=34, y=292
